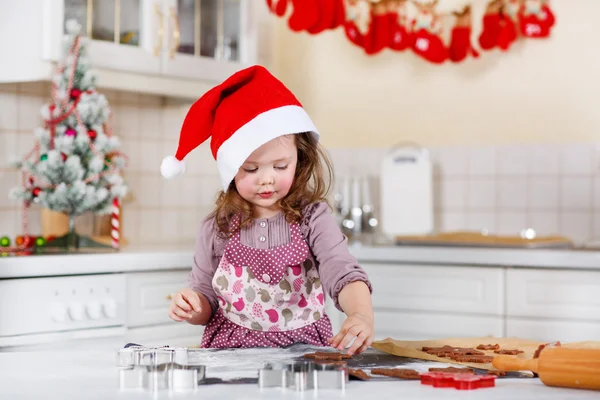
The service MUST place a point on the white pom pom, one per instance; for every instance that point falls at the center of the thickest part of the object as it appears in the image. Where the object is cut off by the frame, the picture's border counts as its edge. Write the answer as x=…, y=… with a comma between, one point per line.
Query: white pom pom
x=73, y=27
x=172, y=167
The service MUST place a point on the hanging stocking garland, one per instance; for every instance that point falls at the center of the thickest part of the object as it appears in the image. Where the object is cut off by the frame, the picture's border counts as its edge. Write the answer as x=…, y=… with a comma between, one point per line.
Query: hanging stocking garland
x=399, y=24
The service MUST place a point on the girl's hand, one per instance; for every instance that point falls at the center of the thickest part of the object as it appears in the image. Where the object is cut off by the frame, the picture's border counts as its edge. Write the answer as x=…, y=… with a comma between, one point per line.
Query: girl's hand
x=183, y=304
x=357, y=326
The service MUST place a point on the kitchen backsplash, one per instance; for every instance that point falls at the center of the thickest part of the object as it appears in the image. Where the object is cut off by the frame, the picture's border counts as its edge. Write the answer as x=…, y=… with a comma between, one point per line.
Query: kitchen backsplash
x=550, y=188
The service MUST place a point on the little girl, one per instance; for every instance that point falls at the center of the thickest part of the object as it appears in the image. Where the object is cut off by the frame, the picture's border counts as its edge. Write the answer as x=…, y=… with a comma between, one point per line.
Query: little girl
x=270, y=252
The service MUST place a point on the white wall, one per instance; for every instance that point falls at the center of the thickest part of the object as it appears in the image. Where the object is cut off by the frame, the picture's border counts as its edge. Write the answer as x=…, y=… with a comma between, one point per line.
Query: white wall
x=540, y=91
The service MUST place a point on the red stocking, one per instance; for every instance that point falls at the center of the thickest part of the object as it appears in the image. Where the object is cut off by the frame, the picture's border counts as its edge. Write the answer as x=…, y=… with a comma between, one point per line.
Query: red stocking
x=548, y=16
x=508, y=33
x=305, y=15
x=429, y=46
x=379, y=31
x=327, y=16
x=460, y=43
x=399, y=36
x=281, y=7
x=357, y=14
x=278, y=7
x=491, y=30
x=340, y=14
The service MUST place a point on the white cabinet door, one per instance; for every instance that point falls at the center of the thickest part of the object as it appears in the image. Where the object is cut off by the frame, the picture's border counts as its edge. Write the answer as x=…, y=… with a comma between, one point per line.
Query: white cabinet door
x=437, y=288
x=127, y=35
x=552, y=330
x=553, y=294
x=149, y=296
x=427, y=326
x=208, y=39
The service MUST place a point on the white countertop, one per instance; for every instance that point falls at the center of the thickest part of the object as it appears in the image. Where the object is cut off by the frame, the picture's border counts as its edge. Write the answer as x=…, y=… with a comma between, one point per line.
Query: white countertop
x=93, y=375
x=153, y=258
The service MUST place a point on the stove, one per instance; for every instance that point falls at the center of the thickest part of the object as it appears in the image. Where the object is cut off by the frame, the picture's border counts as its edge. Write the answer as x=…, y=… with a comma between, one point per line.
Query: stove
x=43, y=310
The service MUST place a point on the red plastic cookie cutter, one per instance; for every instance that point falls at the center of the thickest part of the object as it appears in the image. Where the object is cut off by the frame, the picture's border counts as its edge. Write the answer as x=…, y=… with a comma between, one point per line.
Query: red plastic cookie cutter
x=457, y=381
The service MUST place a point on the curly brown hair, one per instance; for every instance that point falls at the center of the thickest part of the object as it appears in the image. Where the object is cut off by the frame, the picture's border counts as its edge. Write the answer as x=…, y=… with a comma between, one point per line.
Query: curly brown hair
x=312, y=181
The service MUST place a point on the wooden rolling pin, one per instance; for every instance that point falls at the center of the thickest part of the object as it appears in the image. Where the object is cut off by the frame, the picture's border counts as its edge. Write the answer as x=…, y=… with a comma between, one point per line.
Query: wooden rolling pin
x=559, y=366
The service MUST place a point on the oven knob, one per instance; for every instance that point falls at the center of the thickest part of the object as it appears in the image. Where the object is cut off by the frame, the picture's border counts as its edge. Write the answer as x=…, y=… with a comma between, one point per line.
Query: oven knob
x=94, y=310
x=76, y=311
x=110, y=308
x=58, y=313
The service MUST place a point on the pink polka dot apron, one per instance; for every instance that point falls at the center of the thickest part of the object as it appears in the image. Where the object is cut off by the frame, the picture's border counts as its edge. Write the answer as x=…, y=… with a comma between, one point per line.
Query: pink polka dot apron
x=268, y=297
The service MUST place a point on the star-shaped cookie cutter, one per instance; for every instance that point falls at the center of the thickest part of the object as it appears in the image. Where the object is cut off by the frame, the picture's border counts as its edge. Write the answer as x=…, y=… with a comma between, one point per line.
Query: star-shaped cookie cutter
x=157, y=368
x=303, y=375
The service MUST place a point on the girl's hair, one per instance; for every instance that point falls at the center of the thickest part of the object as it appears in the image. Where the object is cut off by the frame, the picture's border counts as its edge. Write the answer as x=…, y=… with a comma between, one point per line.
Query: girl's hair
x=312, y=181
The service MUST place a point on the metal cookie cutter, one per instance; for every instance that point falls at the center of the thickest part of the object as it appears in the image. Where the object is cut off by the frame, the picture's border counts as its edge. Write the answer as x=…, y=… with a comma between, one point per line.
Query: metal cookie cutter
x=303, y=376
x=158, y=368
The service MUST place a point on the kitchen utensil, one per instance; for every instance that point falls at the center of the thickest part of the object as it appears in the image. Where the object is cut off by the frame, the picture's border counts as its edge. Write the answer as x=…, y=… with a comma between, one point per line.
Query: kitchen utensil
x=352, y=223
x=301, y=376
x=406, y=192
x=369, y=222
x=559, y=366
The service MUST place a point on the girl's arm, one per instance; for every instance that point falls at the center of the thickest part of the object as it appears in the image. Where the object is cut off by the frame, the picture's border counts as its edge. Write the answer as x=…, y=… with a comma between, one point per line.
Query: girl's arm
x=355, y=300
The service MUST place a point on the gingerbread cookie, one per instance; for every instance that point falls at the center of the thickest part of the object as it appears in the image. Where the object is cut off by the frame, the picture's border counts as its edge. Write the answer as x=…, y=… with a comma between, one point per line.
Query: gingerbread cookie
x=327, y=355
x=449, y=351
x=497, y=373
x=358, y=374
x=488, y=347
x=330, y=362
x=509, y=352
x=397, y=373
x=453, y=370
x=472, y=358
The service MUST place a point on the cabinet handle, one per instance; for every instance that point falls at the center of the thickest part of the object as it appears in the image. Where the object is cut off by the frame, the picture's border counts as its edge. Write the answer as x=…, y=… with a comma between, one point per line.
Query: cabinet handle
x=161, y=30
x=176, y=33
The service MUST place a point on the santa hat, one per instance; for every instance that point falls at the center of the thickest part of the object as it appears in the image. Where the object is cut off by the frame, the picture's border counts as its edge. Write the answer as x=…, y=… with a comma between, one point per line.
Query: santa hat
x=241, y=114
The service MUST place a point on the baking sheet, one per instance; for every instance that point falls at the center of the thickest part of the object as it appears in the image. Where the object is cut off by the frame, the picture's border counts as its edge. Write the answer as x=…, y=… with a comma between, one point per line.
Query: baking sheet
x=240, y=366
x=412, y=349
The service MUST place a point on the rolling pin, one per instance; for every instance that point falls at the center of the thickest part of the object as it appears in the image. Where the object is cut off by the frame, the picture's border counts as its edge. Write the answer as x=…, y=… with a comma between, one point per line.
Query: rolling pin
x=559, y=366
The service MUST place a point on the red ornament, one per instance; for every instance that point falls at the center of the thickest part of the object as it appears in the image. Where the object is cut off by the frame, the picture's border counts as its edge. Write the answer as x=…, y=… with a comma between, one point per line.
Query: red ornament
x=70, y=132
x=36, y=191
x=31, y=180
x=63, y=156
x=92, y=134
x=75, y=93
x=24, y=241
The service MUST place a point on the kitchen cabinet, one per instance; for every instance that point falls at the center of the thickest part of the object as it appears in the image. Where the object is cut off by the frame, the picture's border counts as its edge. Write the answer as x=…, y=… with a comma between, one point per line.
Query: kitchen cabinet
x=178, y=48
x=554, y=294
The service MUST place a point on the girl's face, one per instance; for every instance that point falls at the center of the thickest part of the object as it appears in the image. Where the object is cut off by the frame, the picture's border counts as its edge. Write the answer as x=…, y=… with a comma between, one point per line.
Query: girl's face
x=267, y=175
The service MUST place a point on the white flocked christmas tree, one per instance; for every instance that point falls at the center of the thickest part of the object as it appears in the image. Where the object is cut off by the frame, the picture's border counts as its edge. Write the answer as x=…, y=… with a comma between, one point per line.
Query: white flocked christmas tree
x=75, y=166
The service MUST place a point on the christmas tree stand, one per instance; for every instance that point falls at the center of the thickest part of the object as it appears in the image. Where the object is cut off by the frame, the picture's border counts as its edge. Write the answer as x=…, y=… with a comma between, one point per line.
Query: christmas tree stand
x=72, y=242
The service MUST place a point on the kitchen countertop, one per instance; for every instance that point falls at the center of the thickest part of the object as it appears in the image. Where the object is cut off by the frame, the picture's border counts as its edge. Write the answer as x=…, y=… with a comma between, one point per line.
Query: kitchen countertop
x=93, y=375
x=154, y=258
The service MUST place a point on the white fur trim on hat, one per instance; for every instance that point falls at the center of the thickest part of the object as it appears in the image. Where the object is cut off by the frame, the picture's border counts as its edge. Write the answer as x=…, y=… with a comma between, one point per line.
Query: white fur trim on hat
x=172, y=167
x=263, y=128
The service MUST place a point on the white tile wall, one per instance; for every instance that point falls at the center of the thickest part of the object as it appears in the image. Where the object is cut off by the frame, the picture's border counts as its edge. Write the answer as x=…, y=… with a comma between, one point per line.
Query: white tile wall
x=554, y=189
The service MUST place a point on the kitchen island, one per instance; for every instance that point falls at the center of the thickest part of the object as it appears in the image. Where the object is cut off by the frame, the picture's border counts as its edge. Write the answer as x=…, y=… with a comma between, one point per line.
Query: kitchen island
x=92, y=374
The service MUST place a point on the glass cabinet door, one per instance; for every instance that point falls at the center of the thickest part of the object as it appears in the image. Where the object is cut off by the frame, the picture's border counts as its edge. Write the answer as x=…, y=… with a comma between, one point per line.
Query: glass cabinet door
x=116, y=21
x=206, y=28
